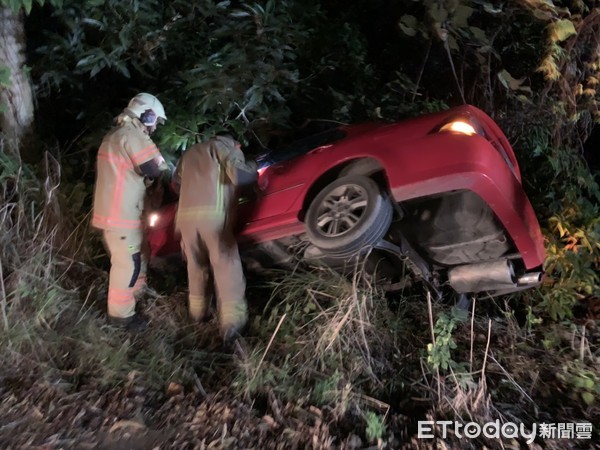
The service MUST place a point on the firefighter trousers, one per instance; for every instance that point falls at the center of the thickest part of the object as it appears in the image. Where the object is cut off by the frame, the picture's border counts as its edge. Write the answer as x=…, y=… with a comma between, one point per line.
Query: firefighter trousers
x=210, y=246
x=128, y=263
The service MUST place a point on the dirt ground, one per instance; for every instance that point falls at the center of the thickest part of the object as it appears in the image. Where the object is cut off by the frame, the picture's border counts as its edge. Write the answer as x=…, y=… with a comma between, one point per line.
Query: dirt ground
x=60, y=415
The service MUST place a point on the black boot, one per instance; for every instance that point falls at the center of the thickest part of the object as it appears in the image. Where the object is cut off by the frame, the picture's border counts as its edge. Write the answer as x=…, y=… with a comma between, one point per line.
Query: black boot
x=133, y=323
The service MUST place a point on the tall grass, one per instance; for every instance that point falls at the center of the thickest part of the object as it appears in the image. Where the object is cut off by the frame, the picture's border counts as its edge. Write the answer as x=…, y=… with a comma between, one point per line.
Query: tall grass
x=324, y=341
x=52, y=295
x=34, y=297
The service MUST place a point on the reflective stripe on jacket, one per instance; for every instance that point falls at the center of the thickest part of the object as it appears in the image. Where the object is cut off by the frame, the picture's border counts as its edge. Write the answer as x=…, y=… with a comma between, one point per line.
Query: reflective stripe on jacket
x=120, y=188
x=208, y=174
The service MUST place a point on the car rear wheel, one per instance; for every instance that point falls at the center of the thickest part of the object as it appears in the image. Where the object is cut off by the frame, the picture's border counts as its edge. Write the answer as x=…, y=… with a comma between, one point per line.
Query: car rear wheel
x=349, y=215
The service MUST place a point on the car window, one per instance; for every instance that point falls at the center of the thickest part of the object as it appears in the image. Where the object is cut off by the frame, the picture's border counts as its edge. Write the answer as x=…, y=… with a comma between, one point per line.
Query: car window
x=301, y=147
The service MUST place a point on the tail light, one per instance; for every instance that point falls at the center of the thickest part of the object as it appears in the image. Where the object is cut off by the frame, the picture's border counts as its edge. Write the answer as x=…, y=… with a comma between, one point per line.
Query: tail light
x=469, y=125
x=460, y=126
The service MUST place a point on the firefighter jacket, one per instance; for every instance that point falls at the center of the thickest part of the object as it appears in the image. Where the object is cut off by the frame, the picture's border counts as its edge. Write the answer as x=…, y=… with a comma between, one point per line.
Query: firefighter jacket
x=207, y=175
x=119, y=191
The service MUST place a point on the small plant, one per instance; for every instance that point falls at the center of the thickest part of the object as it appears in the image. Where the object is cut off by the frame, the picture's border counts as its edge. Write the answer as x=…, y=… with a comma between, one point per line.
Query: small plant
x=532, y=320
x=325, y=391
x=375, y=426
x=585, y=383
x=439, y=351
x=572, y=254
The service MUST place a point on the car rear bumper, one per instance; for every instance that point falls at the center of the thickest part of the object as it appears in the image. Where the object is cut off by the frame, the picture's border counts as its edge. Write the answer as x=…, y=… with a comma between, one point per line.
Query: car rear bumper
x=449, y=162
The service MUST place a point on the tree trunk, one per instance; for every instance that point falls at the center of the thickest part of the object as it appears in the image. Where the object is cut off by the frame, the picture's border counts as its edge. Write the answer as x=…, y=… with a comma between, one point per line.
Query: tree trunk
x=16, y=99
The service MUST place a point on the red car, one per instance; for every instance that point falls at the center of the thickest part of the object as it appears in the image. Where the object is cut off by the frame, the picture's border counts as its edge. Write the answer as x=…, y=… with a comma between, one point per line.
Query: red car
x=441, y=192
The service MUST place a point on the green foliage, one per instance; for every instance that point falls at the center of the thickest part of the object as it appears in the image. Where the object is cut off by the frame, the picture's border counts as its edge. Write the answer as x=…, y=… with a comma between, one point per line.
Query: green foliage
x=258, y=377
x=99, y=36
x=375, y=426
x=561, y=30
x=27, y=5
x=532, y=320
x=215, y=66
x=241, y=72
x=326, y=391
x=447, y=21
x=573, y=253
x=244, y=67
x=563, y=191
x=583, y=383
x=561, y=187
x=440, y=351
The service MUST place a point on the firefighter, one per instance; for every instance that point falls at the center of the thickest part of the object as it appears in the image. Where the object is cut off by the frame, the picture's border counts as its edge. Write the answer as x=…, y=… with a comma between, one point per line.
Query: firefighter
x=127, y=161
x=207, y=179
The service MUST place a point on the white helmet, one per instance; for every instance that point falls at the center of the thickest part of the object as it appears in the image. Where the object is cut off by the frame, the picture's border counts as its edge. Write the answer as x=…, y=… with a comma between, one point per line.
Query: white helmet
x=144, y=102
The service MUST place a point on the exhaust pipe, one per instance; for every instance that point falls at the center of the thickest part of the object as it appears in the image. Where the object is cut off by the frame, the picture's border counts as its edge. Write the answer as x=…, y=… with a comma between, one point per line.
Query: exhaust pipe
x=530, y=279
x=487, y=276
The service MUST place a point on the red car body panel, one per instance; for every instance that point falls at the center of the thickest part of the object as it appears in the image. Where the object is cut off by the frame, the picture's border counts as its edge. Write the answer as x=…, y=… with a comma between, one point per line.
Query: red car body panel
x=417, y=160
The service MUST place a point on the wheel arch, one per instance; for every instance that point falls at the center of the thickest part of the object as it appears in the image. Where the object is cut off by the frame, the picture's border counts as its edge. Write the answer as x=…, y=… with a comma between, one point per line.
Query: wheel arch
x=367, y=166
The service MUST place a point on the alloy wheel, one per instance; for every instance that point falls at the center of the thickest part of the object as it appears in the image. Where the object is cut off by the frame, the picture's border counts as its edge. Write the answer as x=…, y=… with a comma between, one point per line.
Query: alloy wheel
x=341, y=210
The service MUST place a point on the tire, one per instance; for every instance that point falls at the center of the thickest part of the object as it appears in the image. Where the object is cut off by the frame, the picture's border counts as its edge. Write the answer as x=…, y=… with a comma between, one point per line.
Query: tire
x=349, y=215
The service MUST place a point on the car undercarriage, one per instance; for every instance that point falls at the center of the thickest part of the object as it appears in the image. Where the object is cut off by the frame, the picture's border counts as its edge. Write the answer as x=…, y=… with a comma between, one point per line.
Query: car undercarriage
x=449, y=239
